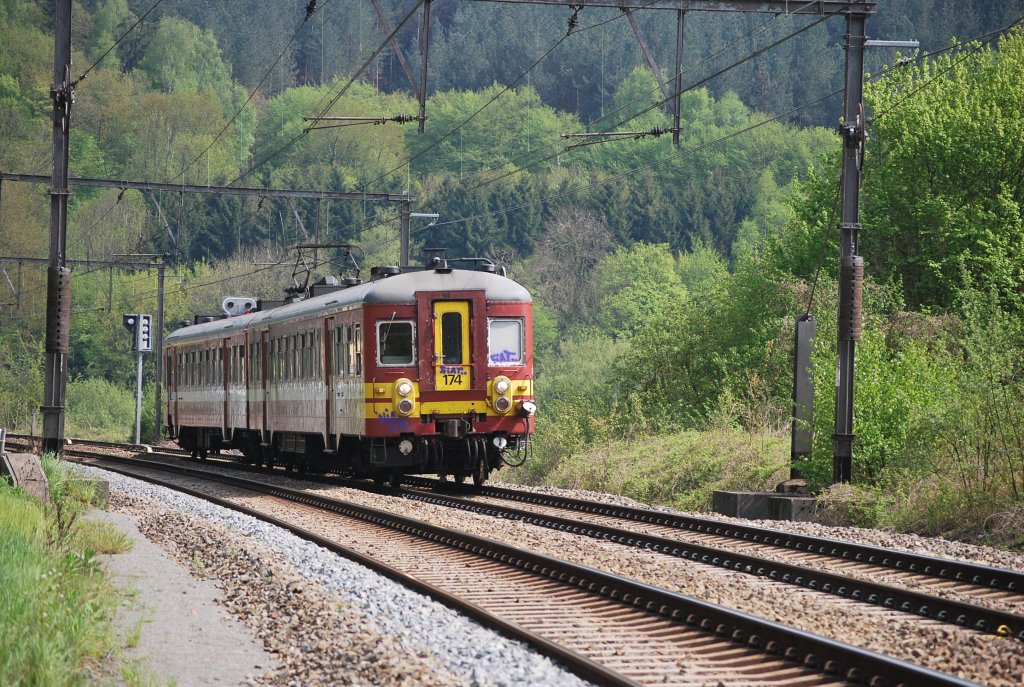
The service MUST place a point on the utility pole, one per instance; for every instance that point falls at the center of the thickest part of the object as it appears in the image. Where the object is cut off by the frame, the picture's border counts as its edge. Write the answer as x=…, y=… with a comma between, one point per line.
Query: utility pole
x=158, y=418
x=851, y=265
x=58, y=286
x=404, y=231
x=677, y=103
x=423, y=72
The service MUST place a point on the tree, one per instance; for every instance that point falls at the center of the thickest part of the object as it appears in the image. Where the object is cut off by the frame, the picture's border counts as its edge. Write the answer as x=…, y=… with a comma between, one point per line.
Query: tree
x=181, y=57
x=635, y=285
x=471, y=132
x=107, y=24
x=944, y=179
x=573, y=244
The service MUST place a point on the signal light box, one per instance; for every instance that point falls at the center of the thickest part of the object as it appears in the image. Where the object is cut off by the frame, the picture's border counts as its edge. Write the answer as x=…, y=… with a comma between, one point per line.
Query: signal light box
x=141, y=328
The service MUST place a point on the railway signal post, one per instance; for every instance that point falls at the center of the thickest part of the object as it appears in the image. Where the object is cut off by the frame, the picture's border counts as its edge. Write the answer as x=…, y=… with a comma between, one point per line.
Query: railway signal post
x=140, y=326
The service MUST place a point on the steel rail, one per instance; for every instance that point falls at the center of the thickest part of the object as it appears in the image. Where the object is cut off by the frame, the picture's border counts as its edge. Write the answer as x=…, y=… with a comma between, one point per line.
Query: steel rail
x=904, y=561
x=944, y=568
x=578, y=664
x=852, y=664
x=960, y=613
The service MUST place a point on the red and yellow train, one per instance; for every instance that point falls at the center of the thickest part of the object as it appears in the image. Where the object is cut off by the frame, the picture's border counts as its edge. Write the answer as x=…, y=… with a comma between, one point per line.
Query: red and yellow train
x=418, y=371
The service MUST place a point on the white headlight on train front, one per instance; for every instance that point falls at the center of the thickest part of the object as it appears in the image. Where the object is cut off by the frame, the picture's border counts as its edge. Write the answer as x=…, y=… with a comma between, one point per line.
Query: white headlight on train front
x=404, y=388
x=501, y=385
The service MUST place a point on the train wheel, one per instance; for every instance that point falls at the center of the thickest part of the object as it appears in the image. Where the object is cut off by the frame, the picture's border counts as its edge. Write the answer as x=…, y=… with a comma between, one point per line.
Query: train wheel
x=459, y=476
x=396, y=480
x=378, y=479
x=481, y=472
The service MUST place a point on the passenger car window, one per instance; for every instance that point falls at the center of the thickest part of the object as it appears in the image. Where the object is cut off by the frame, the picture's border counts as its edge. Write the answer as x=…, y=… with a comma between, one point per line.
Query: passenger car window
x=505, y=342
x=394, y=343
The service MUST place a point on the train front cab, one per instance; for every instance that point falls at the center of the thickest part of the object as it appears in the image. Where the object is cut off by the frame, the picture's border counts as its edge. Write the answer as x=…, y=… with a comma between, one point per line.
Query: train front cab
x=449, y=387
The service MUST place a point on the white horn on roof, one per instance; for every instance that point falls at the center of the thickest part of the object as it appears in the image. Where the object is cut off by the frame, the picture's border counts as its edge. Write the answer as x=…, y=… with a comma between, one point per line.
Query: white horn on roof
x=238, y=305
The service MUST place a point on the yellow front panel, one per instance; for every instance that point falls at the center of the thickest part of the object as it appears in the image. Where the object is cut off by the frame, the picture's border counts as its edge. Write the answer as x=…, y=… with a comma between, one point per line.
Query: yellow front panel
x=451, y=346
x=380, y=401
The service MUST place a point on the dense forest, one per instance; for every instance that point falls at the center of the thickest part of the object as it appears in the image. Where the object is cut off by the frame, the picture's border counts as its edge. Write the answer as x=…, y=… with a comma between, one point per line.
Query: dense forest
x=666, y=278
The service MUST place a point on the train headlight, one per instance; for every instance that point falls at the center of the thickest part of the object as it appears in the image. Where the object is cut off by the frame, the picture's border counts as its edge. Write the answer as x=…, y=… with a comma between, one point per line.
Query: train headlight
x=501, y=394
x=403, y=396
x=527, y=408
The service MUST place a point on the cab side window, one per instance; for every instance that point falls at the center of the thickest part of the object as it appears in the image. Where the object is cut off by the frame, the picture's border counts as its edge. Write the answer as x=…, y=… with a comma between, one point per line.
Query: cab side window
x=395, y=343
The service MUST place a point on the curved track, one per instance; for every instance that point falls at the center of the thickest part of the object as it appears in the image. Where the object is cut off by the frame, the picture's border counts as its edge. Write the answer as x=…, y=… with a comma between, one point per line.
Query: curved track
x=986, y=599
x=607, y=629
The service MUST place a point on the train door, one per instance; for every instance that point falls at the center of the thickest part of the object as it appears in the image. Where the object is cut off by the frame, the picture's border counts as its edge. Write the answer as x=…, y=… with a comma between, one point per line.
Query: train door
x=173, y=379
x=265, y=367
x=225, y=386
x=452, y=371
x=249, y=347
x=329, y=339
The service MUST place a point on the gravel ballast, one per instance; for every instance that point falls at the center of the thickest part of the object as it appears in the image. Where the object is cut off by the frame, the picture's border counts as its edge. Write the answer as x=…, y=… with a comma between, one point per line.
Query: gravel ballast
x=326, y=619
x=969, y=655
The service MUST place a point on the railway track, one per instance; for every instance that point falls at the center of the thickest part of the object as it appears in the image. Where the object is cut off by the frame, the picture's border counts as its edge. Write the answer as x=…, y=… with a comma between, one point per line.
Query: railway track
x=957, y=592
x=608, y=629
x=660, y=532
x=982, y=598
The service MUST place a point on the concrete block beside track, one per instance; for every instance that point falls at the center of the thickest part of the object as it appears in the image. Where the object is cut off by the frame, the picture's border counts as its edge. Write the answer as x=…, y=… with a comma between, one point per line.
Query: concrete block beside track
x=26, y=472
x=757, y=505
x=791, y=508
x=741, y=504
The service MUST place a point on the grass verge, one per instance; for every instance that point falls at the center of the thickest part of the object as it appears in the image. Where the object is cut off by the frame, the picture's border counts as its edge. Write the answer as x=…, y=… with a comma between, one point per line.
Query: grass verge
x=680, y=470
x=56, y=603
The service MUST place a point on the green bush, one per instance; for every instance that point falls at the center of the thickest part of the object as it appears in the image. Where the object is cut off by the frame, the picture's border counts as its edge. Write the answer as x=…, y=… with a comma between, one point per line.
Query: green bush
x=970, y=447
x=680, y=469
x=575, y=404
x=939, y=424
x=895, y=387
x=21, y=379
x=98, y=409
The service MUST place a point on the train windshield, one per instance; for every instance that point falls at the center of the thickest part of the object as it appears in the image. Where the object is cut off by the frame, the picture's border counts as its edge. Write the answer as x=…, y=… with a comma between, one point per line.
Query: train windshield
x=395, y=343
x=505, y=342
